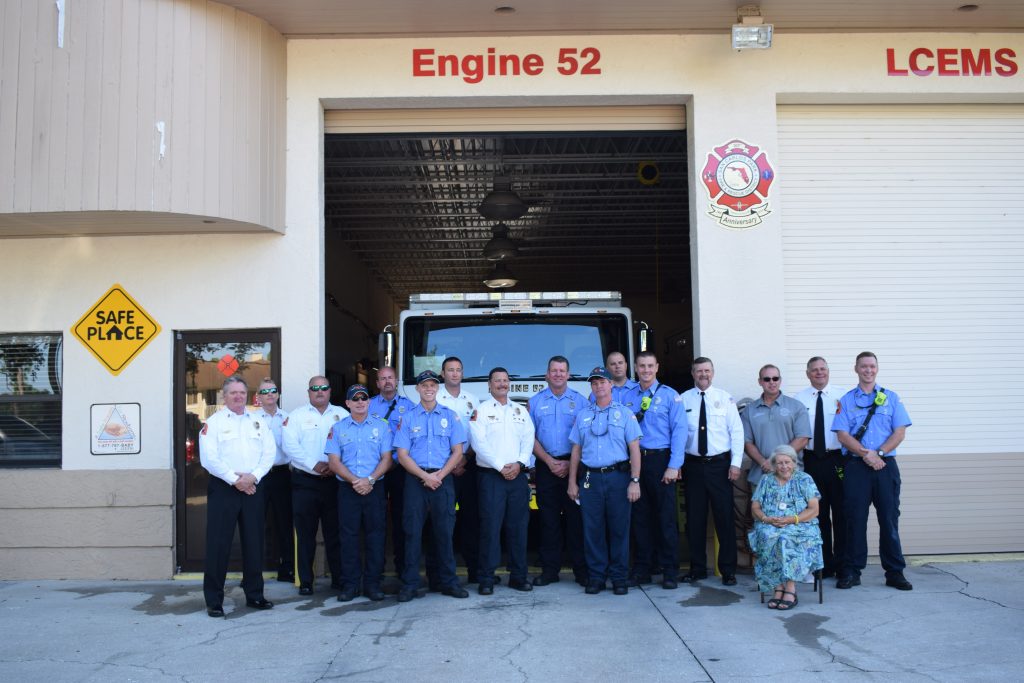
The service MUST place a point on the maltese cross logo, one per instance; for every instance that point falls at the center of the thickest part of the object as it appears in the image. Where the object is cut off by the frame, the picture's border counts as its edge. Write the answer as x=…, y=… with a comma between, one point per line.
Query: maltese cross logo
x=737, y=177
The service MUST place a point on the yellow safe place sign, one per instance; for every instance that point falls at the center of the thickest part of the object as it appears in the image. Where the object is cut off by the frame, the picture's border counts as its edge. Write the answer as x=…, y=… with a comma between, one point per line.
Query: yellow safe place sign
x=116, y=329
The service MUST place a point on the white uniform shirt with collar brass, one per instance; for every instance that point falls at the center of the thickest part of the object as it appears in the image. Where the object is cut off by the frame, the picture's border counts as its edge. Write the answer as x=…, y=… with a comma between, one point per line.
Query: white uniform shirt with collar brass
x=501, y=434
x=276, y=423
x=304, y=435
x=230, y=443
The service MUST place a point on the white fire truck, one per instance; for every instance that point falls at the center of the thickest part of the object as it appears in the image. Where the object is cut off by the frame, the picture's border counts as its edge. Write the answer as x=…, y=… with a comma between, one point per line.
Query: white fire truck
x=518, y=331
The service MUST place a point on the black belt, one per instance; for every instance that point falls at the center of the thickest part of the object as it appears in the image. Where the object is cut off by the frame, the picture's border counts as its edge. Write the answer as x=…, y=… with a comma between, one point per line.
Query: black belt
x=706, y=458
x=621, y=466
x=562, y=457
x=277, y=467
x=835, y=451
x=654, y=451
x=304, y=473
x=431, y=470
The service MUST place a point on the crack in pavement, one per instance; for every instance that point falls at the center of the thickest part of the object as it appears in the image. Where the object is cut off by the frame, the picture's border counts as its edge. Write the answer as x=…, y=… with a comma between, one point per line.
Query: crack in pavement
x=966, y=584
x=693, y=655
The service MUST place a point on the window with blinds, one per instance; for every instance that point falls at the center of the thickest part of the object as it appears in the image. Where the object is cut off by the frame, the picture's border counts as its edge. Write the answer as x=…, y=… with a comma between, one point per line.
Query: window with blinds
x=31, y=369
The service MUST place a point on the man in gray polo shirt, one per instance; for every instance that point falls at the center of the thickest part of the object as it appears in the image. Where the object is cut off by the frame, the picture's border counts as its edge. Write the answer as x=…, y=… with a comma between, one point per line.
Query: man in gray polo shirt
x=771, y=421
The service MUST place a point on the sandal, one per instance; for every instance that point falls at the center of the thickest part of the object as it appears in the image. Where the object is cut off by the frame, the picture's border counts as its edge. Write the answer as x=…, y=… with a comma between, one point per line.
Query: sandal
x=785, y=605
x=773, y=603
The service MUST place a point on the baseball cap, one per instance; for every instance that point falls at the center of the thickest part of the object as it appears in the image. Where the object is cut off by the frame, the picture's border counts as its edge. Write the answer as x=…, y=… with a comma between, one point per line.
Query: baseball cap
x=599, y=372
x=354, y=390
x=427, y=376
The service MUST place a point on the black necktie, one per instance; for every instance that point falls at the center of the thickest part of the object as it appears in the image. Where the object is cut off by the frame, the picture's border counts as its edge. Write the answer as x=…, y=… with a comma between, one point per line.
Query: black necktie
x=819, y=427
x=702, y=429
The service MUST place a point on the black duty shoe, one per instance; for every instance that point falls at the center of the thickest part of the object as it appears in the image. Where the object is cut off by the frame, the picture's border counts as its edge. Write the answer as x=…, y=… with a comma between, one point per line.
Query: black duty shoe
x=542, y=580
x=693, y=578
x=485, y=589
x=262, y=603
x=669, y=583
x=728, y=579
x=899, y=582
x=407, y=594
x=583, y=580
x=620, y=589
x=847, y=581
x=455, y=591
x=286, y=577
x=215, y=611
x=347, y=595
x=638, y=580
x=521, y=586
x=373, y=593
x=594, y=587
x=305, y=590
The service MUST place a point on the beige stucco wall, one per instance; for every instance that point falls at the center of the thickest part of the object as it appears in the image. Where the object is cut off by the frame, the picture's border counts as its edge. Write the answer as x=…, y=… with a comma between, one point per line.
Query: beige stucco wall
x=81, y=524
x=151, y=116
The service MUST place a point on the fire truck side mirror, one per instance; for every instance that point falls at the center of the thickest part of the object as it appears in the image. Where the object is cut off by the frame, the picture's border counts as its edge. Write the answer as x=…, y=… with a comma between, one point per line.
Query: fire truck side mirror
x=386, y=348
x=644, y=337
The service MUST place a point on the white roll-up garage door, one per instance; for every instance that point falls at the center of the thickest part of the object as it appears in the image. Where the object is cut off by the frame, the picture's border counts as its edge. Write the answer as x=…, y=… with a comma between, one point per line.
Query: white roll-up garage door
x=606, y=118
x=903, y=234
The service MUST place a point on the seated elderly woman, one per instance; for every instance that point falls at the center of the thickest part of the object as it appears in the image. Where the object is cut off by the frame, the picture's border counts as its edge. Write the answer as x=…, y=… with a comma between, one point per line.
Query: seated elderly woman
x=786, y=537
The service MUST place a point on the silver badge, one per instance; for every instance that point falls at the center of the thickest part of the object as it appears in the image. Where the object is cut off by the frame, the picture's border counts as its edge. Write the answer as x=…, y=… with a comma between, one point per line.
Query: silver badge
x=617, y=415
x=444, y=423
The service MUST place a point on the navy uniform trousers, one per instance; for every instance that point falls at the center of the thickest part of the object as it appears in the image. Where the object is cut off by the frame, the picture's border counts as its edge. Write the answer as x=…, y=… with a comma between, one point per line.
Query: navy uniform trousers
x=279, y=510
x=553, y=510
x=656, y=518
x=315, y=503
x=606, y=512
x=440, y=506
x=824, y=469
x=863, y=487
x=367, y=514
x=504, y=505
x=707, y=479
x=227, y=507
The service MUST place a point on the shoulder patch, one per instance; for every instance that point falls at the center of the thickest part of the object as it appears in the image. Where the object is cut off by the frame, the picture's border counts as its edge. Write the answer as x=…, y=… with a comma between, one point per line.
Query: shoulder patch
x=204, y=429
x=285, y=423
x=330, y=434
x=472, y=418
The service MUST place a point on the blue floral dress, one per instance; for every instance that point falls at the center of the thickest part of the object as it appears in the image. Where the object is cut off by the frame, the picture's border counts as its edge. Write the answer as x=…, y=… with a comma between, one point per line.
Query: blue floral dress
x=794, y=551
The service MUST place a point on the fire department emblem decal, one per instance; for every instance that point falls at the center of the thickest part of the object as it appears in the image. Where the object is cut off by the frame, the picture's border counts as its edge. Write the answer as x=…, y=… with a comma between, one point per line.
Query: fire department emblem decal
x=737, y=177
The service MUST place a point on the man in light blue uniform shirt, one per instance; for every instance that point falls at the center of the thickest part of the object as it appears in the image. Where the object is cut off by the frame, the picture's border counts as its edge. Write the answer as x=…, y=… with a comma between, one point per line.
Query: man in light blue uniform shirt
x=429, y=445
x=391, y=405
x=553, y=411
x=604, y=475
x=359, y=453
x=655, y=516
x=870, y=424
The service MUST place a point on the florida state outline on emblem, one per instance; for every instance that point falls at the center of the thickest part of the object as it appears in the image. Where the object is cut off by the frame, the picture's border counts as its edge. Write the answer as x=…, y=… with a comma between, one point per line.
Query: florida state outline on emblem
x=737, y=177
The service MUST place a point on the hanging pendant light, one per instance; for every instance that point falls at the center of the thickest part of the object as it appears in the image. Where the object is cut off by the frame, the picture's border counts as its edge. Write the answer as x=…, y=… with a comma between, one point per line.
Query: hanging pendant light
x=501, y=277
x=502, y=204
x=500, y=248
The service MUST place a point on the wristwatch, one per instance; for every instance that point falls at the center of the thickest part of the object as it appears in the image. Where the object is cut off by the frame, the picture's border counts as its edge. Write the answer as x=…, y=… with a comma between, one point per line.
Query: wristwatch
x=371, y=480
x=881, y=453
x=635, y=480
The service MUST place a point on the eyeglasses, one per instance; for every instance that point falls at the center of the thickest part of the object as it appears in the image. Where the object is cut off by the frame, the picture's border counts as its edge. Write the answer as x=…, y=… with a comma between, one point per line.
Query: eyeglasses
x=770, y=379
x=320, y=387
x=360, y=398
x=272, y=390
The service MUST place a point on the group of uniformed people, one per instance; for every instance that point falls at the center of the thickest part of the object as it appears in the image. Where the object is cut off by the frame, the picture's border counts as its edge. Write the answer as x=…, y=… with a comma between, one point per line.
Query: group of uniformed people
x=606, y=470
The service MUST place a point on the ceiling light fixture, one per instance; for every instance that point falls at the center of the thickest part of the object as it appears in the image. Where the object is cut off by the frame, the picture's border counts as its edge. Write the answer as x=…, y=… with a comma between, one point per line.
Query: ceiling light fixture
x=502, y=204
x=500, y=248
x=501, y=278
x=751, y=33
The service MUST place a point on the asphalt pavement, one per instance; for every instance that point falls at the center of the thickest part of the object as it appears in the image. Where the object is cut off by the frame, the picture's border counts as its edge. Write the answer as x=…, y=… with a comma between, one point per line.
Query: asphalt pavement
x=962, y=622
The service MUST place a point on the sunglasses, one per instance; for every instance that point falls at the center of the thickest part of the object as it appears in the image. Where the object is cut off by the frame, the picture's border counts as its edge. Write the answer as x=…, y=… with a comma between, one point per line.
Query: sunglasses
x=320, y=387
x=770, y=379
x=269, y=391
x=359, y=398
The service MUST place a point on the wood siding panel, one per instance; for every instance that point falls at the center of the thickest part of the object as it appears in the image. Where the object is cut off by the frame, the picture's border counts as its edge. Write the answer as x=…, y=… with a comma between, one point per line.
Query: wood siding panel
x=895, y=240
x=78, y=124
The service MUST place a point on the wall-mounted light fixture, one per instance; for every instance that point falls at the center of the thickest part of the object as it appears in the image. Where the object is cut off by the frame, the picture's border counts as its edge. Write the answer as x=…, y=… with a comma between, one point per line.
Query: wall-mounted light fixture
x=751, y=33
